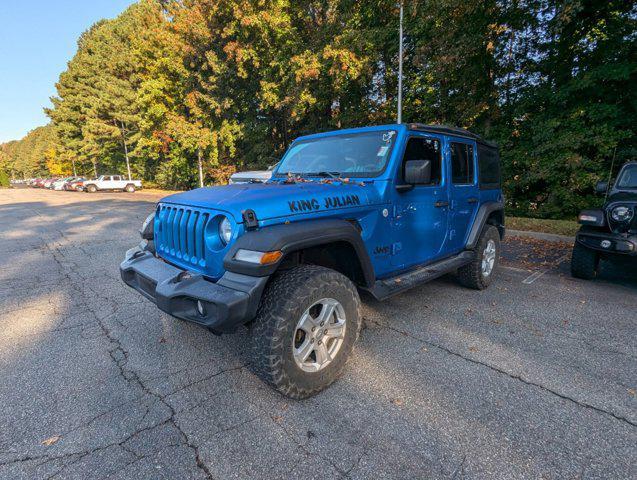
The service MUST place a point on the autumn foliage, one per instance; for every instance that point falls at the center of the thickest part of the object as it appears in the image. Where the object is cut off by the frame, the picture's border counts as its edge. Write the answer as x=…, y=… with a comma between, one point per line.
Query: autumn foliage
x=235, y=81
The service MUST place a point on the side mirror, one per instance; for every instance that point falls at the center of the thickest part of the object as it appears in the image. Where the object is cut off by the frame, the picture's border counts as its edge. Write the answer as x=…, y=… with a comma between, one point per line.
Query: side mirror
x=601, y=187
x=418, y=172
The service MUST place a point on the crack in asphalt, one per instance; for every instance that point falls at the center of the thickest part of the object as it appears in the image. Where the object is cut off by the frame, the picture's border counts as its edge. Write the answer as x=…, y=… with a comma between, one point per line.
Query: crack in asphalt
x=459, y=469
x=119, y=356
x=300, y=445
x=181, y=388
x=504, y=372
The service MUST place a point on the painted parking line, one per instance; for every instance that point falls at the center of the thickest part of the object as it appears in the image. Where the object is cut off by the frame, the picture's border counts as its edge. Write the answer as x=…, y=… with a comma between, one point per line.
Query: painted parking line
x=533, y=277
x=514, y=269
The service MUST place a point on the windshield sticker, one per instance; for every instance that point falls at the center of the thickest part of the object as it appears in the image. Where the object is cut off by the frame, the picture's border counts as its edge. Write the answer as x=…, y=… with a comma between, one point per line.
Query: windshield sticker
x=312, y=204
x=388, y=136
x=382, y=151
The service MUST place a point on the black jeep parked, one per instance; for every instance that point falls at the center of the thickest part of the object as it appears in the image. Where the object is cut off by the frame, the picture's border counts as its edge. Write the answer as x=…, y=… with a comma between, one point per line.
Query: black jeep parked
x=610, y=232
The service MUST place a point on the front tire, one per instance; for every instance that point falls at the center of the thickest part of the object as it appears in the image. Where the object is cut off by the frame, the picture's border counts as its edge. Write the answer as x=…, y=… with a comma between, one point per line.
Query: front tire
x=305, y=329
x=584, y=262
x=479, y=273
x=91, y=189
x=130, y=188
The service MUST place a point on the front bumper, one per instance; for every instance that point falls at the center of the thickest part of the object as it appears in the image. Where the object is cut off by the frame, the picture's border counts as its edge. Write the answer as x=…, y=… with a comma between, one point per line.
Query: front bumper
x=608, y=242
x=227, y=303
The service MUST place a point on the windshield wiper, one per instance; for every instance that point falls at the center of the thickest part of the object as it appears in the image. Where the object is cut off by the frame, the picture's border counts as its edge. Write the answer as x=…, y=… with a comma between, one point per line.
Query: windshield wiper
x=334, y=175
x=325, y=174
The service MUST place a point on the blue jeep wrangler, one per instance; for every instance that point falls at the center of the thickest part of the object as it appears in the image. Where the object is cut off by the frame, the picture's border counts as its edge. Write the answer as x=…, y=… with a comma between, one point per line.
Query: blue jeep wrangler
x=381, y=209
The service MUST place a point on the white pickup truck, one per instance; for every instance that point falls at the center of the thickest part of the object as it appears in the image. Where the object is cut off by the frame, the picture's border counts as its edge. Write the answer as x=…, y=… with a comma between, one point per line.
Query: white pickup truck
x=112, y=182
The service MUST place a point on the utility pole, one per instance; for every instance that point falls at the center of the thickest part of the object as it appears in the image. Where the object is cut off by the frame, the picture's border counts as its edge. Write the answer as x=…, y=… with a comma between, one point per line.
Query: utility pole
x=200, y=167
x=400, y=66
x=73, y=162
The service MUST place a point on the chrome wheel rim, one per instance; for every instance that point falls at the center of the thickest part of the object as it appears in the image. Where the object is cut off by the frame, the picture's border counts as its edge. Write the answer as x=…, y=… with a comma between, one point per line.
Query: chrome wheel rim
x=319, y=335
x=488, y=258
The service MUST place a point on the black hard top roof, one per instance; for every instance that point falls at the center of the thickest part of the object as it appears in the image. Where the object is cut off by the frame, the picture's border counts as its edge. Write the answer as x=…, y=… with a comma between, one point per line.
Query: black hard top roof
x=447, y=130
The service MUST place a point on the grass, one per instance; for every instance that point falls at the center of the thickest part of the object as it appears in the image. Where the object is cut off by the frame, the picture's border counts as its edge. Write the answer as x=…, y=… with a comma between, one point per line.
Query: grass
x=559, y=227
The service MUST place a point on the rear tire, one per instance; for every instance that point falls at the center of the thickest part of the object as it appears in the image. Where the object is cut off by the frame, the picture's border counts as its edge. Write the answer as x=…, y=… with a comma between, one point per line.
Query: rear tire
x=584, y=262
x=479, y=273
x=130, y=188
x=291, y=349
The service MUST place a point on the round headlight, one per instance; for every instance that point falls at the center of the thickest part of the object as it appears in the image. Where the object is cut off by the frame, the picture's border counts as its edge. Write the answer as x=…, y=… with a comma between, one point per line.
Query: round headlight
x=147, y=230
x=622, y=214
x=225, y=230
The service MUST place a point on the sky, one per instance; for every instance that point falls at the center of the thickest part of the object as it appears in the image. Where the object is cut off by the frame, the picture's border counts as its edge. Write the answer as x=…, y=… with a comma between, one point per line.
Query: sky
x=37, y=39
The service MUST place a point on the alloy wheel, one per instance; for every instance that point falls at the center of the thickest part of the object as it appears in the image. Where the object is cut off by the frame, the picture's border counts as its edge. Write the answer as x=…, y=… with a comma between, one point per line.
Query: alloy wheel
x=488, y=258
x=319, y=335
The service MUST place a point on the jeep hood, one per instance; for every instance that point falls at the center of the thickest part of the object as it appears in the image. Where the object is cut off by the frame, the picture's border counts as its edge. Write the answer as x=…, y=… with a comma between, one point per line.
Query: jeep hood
x=272, y=200
x=621, y=196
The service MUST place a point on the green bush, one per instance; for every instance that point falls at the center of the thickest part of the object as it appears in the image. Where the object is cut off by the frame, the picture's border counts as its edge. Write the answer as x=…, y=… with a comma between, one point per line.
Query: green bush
x=4, y=179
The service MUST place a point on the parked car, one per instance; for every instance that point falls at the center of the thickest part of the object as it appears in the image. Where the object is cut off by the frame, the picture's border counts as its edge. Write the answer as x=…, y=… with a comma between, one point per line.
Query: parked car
x=382, y=209
x=75, y=185
x=254, y=176
x=59, y=184
x=48, y=183
x=112, y=182
x=610, y=232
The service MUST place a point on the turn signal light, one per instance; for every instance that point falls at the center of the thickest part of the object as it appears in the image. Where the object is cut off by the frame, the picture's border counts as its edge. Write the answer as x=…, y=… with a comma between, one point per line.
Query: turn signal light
x=271, y=257
x=262, y=258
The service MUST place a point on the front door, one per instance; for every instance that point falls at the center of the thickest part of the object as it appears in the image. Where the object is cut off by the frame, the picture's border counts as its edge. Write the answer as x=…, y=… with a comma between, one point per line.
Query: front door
x=420, y=214
x=463, y=192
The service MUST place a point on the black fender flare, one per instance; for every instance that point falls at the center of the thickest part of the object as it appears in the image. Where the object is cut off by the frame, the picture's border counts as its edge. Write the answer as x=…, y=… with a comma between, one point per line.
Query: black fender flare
x=484, y=211
x=292, y=237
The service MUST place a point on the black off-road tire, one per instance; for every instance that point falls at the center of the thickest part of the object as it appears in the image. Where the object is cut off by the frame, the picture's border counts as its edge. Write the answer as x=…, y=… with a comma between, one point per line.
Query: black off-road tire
x=90, y=189
x=283, y=303
x=130, y=188
x=584, y=262
x=471, y=275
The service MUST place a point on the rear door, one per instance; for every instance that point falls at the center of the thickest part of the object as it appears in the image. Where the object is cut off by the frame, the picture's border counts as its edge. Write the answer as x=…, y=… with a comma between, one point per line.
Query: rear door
x=420, y=214
x=463, y=191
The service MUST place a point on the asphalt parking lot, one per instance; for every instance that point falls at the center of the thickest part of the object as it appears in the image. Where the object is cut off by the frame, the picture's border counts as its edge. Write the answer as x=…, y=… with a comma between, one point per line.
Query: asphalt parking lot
x=532, y=379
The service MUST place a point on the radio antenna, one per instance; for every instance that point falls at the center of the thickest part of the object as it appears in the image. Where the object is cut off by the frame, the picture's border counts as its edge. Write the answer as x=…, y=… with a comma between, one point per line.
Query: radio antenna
x=610, y=174
x=400, y=66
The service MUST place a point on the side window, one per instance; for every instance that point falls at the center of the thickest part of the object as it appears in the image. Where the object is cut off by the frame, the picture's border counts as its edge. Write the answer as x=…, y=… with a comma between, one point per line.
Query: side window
x=421, y=148
x=489, y=167
x=116, y=178
x=461, y=163
x=107, y=179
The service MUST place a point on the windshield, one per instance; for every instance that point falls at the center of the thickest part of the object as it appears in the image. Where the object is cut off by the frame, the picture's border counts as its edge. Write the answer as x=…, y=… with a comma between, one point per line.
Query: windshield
x=628, y=177
x=348, y=155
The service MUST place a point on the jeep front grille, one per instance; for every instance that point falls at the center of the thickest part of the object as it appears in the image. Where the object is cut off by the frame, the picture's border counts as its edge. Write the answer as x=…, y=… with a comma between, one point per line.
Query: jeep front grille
x=181, y=234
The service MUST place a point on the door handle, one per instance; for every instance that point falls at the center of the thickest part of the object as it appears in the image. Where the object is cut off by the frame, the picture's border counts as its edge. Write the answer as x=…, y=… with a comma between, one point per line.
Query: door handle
x=472, y=200
x=440, y=204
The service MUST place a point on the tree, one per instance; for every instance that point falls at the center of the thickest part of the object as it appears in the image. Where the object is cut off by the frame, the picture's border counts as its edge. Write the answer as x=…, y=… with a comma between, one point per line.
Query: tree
x=179, y=87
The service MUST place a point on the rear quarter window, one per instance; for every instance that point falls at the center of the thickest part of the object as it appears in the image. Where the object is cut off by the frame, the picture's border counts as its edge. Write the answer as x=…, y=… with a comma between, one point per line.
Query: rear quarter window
x=488, y=167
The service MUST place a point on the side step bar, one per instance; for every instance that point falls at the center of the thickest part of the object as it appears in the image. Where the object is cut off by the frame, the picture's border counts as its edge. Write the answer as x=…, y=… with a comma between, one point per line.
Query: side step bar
x=388, y=287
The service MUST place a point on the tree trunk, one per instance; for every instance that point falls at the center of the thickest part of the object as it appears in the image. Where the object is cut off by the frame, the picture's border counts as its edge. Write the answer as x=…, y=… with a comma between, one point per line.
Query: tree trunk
x=200, y=165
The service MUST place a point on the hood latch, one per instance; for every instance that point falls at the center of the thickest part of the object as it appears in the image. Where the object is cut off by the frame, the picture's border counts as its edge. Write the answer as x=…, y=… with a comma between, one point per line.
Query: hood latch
x=250, y=220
